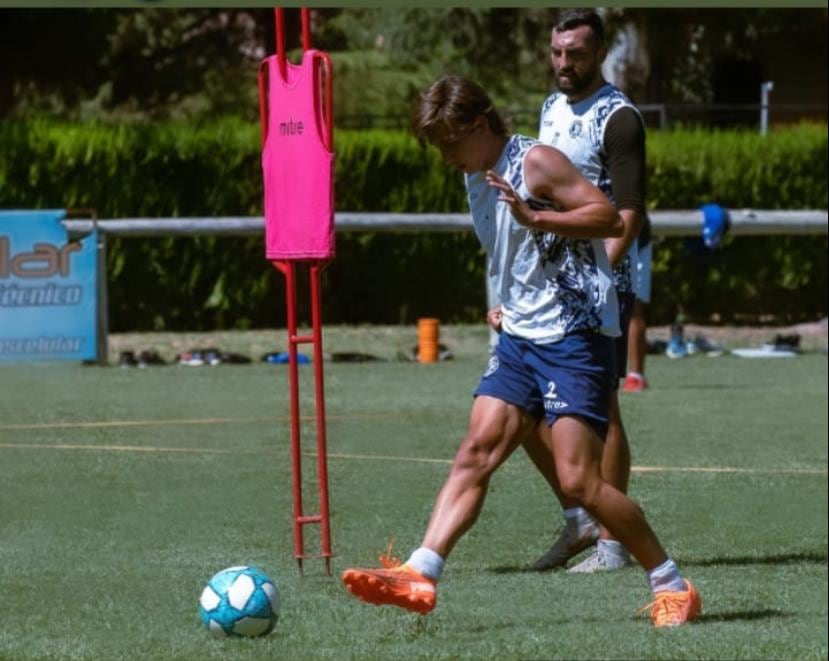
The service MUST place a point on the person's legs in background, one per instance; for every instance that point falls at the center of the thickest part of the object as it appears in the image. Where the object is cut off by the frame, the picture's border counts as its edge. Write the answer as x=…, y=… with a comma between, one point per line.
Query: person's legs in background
x=637, y=329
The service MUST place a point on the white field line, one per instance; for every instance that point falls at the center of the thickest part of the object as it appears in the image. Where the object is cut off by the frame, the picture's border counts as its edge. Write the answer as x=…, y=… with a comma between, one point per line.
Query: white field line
x=388, y=458
x=99, y=424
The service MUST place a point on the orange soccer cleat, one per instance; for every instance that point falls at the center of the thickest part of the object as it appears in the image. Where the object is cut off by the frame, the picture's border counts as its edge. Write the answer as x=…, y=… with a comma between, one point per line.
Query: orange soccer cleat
x=399, y=586
x=670, y=609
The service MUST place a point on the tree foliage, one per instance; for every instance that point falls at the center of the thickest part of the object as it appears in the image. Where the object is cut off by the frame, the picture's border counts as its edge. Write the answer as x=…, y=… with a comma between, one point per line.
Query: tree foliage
x=199, y=62
x=145, y=64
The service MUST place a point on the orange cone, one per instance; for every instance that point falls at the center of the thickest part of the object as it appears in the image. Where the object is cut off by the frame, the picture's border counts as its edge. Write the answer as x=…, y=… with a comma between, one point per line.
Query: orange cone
x=428, y=336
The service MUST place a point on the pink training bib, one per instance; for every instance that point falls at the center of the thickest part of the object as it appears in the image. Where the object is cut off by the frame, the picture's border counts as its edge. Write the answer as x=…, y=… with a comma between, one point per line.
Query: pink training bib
x=298, y=168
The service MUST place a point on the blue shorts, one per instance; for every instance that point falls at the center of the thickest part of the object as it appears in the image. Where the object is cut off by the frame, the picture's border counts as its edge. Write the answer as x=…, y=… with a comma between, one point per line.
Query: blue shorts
x=626, y=302
x=642, y=281
x=571, y=377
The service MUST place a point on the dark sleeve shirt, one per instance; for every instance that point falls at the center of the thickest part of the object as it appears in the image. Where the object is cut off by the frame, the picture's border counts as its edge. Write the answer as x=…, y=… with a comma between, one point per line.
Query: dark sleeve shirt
x=624, y=148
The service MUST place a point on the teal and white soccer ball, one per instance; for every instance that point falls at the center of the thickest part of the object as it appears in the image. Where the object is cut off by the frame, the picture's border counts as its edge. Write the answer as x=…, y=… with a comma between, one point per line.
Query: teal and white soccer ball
x=239, y=601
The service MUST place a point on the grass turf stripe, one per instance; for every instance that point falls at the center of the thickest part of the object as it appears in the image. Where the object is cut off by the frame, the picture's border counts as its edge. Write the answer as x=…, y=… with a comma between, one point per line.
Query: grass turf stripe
x=376, y=457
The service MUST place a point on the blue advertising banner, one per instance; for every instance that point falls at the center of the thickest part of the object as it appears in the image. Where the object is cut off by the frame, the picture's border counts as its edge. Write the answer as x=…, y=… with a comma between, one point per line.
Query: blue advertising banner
x=47, y=289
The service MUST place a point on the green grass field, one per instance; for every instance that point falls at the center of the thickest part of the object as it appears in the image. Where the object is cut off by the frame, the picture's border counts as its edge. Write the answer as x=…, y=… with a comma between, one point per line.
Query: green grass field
x=123, y=491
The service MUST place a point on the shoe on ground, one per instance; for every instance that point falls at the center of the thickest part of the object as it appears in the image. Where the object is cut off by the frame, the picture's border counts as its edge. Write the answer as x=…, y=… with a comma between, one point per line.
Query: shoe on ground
x=353, y=357
x=671, y=609
x=677, y=348
x=127, y=359
x=444, y=353
x=231, y=358
x=708, y=347
x=199, y=357
x=191, y=358
x=283, y=357
x=150, y=357
x=787, y=342
x=212, y=357
x=634, y=383
x=399, y=586
x=571, y=541
x=599, y=561
x=656, y=347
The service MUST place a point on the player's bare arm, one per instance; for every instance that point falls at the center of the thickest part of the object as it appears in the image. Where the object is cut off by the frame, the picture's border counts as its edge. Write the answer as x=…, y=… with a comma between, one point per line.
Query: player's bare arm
x=585, y=211
x=617, y=248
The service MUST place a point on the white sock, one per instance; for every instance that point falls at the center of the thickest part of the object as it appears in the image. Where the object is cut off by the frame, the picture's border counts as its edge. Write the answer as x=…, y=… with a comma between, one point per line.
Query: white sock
x=666, y=577
x=579, y=518
x=613, y=548
x=427, y=562
x=573, y=512
x=636, y=374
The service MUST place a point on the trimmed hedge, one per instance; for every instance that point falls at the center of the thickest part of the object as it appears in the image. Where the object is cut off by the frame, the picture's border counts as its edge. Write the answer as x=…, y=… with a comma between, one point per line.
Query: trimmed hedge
x=749, y=279
x=176, y=169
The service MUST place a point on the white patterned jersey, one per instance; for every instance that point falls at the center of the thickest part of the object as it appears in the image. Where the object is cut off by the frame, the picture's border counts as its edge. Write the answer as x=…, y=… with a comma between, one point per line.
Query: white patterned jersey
x=548, y=285
x=577, y=130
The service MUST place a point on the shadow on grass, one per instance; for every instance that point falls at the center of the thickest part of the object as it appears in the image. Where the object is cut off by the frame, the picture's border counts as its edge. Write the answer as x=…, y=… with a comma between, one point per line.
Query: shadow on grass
x=742, y=616
x=809, y=557
x=815, y=557
x=512, y=569
x=704, y=386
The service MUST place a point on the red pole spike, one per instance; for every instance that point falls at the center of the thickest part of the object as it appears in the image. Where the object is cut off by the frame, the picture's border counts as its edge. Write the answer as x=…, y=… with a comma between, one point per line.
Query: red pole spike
x=329, y=116
x=263, y=101
x=305, y=13
x=279, y=15
x=322, y=454
x=293, y=381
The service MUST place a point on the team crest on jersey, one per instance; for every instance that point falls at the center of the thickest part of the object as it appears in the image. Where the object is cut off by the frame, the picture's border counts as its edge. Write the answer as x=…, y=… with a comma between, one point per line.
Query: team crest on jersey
x=492, y=366
x=575, y=128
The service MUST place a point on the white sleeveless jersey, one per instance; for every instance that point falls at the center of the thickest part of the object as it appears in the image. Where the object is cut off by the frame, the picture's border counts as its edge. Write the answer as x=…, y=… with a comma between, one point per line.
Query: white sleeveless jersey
x=577, y=129
x=548, y=285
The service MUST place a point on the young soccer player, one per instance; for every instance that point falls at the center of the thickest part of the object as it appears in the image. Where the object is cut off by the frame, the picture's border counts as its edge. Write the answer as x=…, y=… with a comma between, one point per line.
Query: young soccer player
x=542, y=224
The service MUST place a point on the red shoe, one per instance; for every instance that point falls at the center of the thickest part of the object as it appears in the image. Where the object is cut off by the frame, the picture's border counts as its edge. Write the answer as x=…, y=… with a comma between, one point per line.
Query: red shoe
x=634, y=383
x=399, y=586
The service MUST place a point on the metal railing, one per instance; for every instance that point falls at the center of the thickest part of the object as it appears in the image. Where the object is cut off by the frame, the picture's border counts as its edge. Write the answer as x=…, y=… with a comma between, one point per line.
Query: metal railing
x=664, y=223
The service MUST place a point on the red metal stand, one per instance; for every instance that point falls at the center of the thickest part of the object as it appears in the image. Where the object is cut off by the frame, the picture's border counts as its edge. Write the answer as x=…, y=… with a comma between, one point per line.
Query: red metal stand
x=289, y=269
